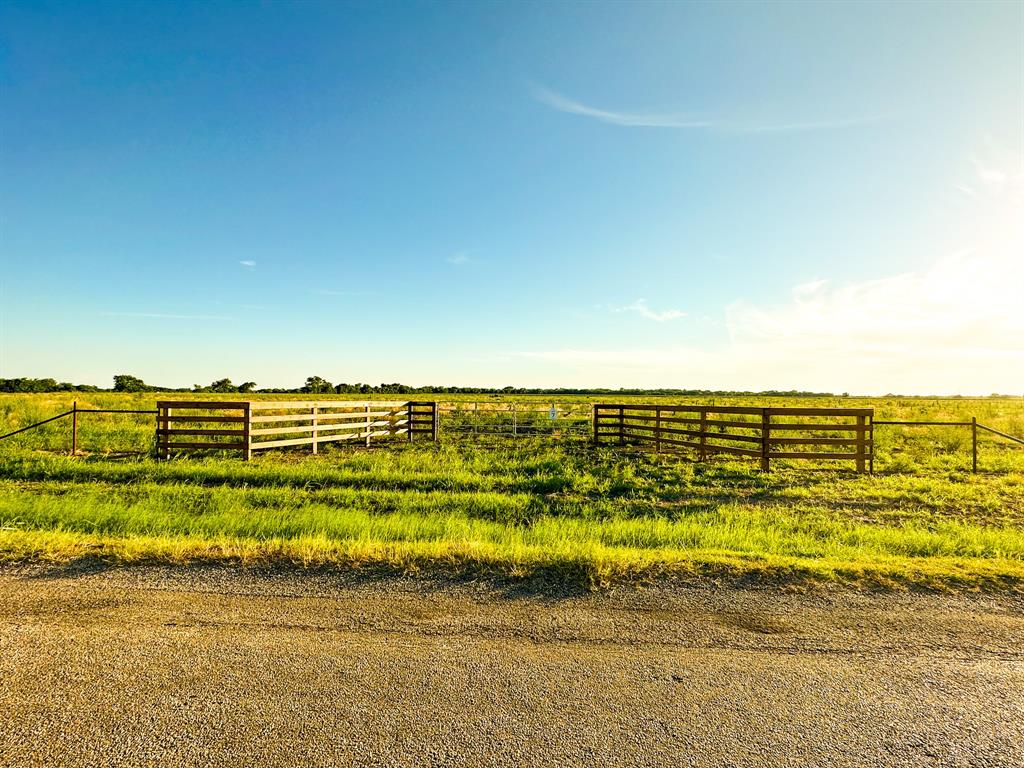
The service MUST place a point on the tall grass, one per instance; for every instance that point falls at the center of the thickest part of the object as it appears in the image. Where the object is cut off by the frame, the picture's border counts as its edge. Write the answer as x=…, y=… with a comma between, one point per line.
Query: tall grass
x=561, y=509
x=153, y=510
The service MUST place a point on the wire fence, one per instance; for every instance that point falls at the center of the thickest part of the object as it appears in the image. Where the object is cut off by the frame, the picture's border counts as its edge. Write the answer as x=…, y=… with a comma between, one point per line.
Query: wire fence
x=456, y=420
x=511, y=419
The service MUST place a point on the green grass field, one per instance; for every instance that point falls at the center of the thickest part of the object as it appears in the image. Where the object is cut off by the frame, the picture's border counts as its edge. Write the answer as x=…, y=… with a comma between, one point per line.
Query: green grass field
x=552, y=509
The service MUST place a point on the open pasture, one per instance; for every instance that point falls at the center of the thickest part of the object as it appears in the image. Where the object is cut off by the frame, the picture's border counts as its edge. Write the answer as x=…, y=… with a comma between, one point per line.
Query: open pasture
x=544, y=506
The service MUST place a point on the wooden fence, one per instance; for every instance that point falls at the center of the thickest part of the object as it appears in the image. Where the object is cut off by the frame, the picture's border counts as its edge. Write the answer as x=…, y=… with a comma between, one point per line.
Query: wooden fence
x=823, y=434
x=254, y=425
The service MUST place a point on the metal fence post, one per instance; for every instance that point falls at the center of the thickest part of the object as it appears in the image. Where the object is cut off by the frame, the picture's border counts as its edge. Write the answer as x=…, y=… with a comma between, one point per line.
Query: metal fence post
x=974, y=444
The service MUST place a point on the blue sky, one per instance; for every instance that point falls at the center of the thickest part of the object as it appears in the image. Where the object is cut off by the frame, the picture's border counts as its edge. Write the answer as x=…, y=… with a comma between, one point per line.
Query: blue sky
x=809, y=196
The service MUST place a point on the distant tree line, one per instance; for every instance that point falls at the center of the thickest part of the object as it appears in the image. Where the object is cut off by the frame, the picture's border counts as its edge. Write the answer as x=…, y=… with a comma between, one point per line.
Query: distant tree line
x=44, y=385
x=317, y=385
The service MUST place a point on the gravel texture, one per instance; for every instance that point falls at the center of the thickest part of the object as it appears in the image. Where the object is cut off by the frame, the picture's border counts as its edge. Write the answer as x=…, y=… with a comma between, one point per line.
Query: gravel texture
x=223, y=667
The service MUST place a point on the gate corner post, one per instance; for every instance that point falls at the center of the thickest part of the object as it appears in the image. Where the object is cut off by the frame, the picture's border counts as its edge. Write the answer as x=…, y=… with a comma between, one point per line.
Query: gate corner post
x=247, y=433
x=765, y=439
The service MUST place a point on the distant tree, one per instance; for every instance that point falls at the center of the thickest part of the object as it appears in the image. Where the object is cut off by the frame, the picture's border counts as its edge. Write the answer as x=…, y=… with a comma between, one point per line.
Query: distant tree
x=247, y=386
x=317, y=386
x=222, y=385
x=125, y=383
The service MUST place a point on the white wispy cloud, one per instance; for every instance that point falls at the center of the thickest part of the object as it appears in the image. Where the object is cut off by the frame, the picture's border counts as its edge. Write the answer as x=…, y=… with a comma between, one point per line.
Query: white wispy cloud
x=459, y=258
x=682, y=121
x=249, y=263
x=162, y=316
x=636, y=119
x=640, y=307
x=807, y=291
x=987, y=173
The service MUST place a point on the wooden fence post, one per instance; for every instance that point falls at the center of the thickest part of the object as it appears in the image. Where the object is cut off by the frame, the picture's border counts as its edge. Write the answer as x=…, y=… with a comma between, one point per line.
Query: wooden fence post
x=765, y=438
x=657, y=429
x=974, y=444
x=597, y=439
x=622, y=426
x=314, y=410
x=163, y=423
x=871, y=444
x=861, y=443
x=409, y=407
x=367, y=428
x=703, y=434
x=436, y=418
x=247, y=433
x=74, y=429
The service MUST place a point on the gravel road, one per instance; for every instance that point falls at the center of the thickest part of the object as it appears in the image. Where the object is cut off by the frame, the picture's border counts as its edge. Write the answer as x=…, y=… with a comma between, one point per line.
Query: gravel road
x=221, y=667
